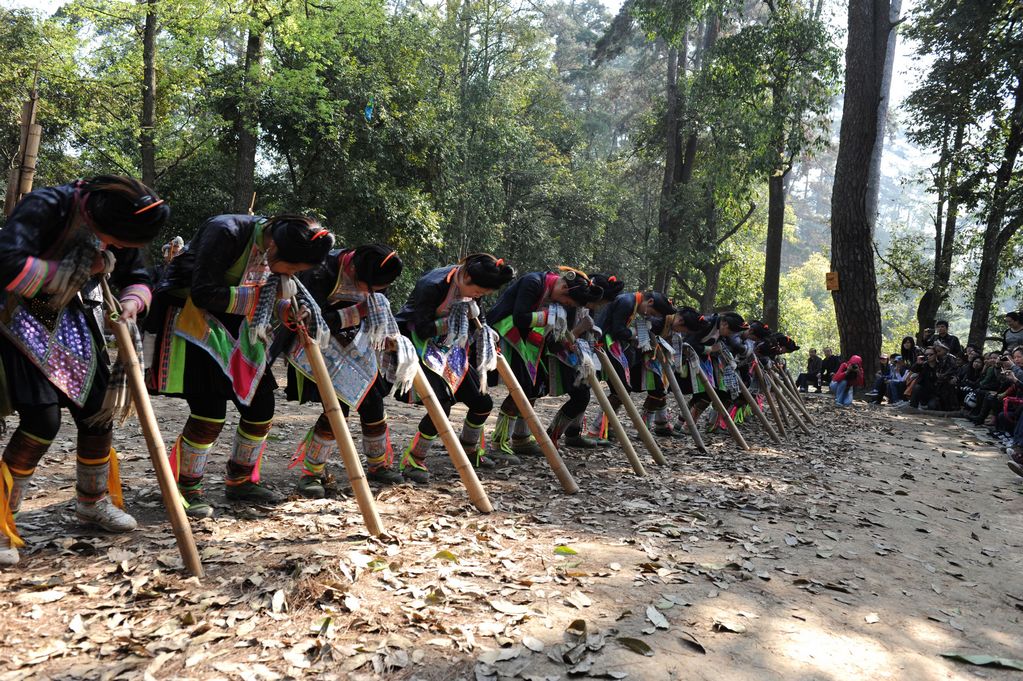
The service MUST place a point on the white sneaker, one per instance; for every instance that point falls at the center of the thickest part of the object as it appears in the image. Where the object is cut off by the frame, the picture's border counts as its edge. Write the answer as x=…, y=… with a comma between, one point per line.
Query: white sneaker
x=106, y=515
x=8, y=554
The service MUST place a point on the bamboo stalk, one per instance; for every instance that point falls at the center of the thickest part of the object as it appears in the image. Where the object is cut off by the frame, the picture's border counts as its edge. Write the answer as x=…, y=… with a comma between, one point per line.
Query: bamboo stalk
x=527, y=412
x=774, y=409
x=611, y=376
x=786, y=402
x=720, y=408
x=614, y=422
x=154, y=440
x=456, y=451
x=683, y=406
x=793, y=393
x=752, y=402
x=345, y=444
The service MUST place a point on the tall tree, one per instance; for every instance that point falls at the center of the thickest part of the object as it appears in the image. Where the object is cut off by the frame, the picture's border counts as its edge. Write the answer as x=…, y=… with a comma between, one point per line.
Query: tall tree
x=852, y=256
x=247, y=120
x=147, y=132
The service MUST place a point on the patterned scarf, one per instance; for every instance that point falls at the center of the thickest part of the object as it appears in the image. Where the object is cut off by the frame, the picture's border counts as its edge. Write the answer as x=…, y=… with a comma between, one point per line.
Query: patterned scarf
x=728, y=375
x=280, y=287
x=379, y=324
x=117, y=406
x=399, y=367
x=642, y=328
x=458, y=324
x=678, y=356
x=557, y=322
x=379, y=328
x=75, y=267
x=584, y=347
x=486, y=353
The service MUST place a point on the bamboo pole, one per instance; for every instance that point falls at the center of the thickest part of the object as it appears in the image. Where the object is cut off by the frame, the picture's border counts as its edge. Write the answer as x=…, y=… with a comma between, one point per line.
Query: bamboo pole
x=154, y=440
x=611, y=376
x=527, y=412
x=683, y=406
x=720, y=408
x=615, y=423
x=345, y=444
x=775, y=409
x=752, y=402
x=793, y=393
x=456, y=451
x=786, y=403
x=22, y=174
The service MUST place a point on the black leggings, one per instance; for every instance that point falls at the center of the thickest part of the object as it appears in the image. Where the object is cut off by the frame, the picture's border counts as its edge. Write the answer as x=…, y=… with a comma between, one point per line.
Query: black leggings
x=43, y=420
x=468, y=394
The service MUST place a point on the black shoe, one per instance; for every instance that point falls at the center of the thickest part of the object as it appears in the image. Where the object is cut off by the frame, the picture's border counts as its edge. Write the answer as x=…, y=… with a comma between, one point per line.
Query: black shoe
x=1015, y=468
x=311, y=487
x=253, y=493
x=581, y=441
x=385, y=476
x=195, y=503
x=482, y=461
x=419, y=476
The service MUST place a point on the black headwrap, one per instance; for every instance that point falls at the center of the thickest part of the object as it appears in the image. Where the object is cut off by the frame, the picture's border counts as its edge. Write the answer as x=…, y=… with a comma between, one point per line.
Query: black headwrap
x=377, y=264
x=610, y=284
x=580, y=288
x=300, y=239
x=735, y=321
x=759, y=330
x=661, y=305
x=487, y=271
x=123, y=208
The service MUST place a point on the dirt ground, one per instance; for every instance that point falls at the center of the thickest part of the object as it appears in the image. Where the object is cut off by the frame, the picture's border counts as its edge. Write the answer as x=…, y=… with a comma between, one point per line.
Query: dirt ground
x=863, y=551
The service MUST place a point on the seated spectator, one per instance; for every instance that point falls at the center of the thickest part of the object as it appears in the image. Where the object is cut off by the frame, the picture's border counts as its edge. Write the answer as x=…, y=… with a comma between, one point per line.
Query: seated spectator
x=848, y=377
x=992, y=402
x=986, y=386
x=881, y=378
x=897, y=382
x=812, y=375
x=909, y=351
x=1012, y=336
x=829, y=365
x=950, y=342
x=968, y=377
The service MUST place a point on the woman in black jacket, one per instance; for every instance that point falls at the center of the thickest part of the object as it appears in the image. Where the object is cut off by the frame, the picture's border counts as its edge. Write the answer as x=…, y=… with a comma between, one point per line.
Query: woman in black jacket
x=55, y=243
x=438, y=317
x=535, y=317
x=213, y=312
x=349, y=286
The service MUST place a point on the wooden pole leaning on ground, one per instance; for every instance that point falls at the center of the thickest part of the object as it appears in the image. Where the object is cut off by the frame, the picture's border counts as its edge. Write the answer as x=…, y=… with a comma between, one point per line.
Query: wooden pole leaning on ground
x=527, y=412
x=793, y=393
x=345, y=444
x=786, y=403
x=775, y=409
x=752, y=402
x=720, y=408
x=683, y=405
x=615, y=423
x=154, y=440
x=611, y=376
x=456, y=451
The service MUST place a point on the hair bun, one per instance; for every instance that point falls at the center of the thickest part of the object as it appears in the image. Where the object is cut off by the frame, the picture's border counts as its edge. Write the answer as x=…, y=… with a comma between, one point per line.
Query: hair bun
x=124, y=208
x=486, y=271
x=377, y=264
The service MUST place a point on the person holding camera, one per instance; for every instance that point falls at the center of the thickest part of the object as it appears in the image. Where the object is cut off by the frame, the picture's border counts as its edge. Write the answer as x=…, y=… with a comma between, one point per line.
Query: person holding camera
x=848, y=377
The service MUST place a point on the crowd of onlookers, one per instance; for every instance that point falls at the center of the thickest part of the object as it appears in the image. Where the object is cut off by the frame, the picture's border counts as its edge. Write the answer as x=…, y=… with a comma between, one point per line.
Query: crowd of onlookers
x=939, y=374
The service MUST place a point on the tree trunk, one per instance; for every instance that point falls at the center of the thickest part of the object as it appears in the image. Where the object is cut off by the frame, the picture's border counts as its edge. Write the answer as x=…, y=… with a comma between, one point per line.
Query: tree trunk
x=996, y=236
x=672, y=160
x=247, y=123
x=772, y=254
x=852, y=255
x=147, y=143
x=874, y=179
x=944, y=231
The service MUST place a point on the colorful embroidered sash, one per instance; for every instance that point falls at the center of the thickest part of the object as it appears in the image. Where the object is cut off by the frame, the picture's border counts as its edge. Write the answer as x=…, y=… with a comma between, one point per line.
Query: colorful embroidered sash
x=352, y=369
x=529, y=347
x=58, y=342
x=241, y=359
